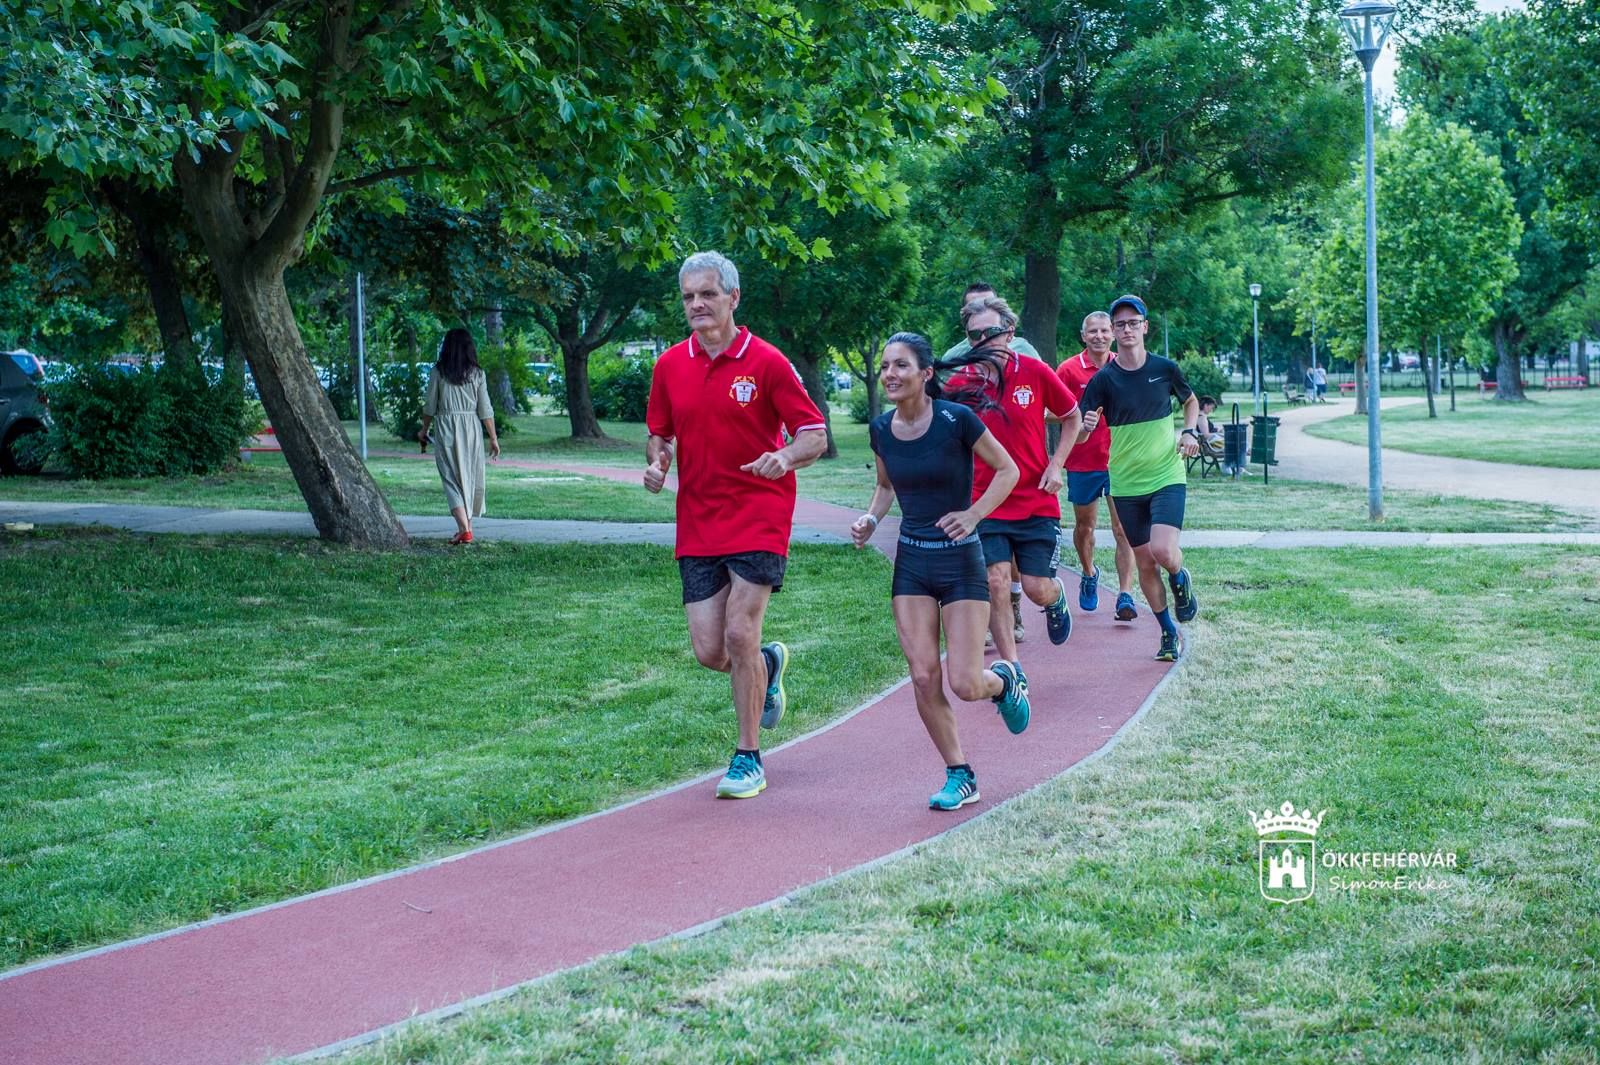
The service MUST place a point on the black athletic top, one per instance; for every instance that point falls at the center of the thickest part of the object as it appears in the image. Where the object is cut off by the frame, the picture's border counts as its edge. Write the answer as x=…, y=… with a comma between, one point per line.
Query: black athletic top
x=932, y=475
x=1138, y=407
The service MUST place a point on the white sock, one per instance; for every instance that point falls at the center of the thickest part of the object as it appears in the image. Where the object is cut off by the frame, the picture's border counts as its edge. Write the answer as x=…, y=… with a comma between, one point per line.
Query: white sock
x=1016, y=587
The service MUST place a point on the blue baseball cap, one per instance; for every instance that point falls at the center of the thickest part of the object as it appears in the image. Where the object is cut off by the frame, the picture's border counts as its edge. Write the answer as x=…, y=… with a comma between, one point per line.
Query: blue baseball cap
x=1132, y=301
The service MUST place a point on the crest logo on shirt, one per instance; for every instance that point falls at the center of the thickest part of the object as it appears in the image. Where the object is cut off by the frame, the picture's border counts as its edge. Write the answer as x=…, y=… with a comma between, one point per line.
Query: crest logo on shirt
x=743, y=390
x=1023, y=395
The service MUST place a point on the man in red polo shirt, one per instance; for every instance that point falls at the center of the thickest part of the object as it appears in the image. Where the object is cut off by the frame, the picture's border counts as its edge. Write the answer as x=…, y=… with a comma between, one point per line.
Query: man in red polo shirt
x=1088, y=479
x=1027, y=526
x=721, y=402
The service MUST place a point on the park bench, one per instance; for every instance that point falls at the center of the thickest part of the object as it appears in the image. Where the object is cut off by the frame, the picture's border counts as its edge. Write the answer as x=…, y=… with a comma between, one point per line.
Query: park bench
x=1208, y=459
x=1485, y=387
x=1565, y=382
x=266, y=441
x=1292, y=396
x=1346, y=386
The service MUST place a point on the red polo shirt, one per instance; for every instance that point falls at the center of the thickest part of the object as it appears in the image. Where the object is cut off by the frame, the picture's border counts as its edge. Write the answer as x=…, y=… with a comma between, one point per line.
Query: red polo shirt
x=725, y=412
x=1094, y=454
x=1031, y=389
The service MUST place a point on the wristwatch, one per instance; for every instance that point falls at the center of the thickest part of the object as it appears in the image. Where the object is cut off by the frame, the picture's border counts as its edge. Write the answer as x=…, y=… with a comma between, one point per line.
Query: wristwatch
x=1192, y=432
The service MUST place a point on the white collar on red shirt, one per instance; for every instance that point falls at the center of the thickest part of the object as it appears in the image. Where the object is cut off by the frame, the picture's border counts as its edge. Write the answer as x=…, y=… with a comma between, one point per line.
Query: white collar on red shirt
x=1087, y=363
x=736, y=349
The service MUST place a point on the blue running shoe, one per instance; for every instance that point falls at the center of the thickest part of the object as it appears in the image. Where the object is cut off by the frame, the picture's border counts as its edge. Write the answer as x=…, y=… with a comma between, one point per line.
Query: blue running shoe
x=960, y=788
x=1013, y=698
x=745, y=778
x=777, y=656
x=1057, y=618
x=1126, y=611
x=1171, y=647
x=1089, y=590
x=1185, y=605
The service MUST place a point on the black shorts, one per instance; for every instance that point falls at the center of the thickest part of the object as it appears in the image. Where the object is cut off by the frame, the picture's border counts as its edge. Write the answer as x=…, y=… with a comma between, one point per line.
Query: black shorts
x=1034, y=542
x=948, y=574
x=1164, y=506
x=703, y=577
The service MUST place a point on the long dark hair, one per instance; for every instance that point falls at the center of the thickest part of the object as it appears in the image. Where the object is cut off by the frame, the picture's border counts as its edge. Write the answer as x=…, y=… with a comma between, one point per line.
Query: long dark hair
x=458, y=357
x=970, y=390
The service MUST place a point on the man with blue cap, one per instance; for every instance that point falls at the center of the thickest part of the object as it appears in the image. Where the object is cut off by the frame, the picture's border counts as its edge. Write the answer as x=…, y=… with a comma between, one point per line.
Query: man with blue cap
x=1133, y=392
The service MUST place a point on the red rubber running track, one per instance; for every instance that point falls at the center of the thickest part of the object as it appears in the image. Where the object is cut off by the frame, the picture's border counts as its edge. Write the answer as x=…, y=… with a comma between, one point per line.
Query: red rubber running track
x=333, y=966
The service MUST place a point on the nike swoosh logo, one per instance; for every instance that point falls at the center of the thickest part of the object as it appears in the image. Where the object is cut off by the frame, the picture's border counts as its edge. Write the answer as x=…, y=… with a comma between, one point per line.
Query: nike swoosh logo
x=1154, y=380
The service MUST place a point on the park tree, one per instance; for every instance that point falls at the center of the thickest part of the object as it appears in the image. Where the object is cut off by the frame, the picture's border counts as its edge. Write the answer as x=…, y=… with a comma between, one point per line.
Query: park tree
x=1448, y=231
x=842, y=306
x=1473, y=78
x=1554, y=77
x=260, y=112
x=1137, y=113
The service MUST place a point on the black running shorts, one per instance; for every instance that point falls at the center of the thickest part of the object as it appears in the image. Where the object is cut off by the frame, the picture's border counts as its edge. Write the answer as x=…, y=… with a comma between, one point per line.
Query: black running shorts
x=1034, y=542
x=704, y=577
x=1164, y=506
x=948, y=574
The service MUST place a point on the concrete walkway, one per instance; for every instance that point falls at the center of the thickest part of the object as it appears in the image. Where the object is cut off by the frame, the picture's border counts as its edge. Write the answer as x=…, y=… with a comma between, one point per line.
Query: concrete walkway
x=826, y=524
x=1311, y=458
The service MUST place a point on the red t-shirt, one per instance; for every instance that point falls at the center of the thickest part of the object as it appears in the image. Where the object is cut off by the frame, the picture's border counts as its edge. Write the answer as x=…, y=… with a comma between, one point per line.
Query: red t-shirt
x=725, y=412
x=1031, y=388
x=1094, y=454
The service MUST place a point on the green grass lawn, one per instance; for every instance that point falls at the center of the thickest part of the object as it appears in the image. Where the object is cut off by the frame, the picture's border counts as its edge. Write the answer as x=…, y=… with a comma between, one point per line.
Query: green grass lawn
x=196, y=726
x=1426, y=701
x=546, y=437
x=412, y=487
x=1221, y=503
x=1550, y=429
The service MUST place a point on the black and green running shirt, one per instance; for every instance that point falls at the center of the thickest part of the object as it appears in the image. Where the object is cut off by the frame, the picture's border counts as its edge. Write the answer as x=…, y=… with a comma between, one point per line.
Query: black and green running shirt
x=1137, y=404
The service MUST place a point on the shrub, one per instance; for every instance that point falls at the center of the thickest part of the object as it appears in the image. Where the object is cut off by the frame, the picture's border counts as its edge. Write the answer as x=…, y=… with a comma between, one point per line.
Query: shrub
x=621, y=391
x=1203, y=375
x=402, y=390
x=858, y=406
x=163, y=422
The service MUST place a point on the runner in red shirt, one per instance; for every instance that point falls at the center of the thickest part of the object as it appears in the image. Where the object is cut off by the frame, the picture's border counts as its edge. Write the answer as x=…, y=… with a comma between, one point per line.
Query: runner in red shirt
x=1027, y=526
x=721, y=401
x=1088, y=478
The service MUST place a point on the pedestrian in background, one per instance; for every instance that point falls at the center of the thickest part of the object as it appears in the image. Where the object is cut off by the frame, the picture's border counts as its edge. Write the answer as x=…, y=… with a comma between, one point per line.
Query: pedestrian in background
x=457, y=415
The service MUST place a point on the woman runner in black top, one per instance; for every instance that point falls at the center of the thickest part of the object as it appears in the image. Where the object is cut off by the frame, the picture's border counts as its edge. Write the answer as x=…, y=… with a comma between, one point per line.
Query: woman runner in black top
x=924, y=447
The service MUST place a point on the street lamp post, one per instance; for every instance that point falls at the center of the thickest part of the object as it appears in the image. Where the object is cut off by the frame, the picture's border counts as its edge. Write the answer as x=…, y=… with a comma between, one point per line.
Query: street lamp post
x=1367, y=24
x=1255, y=323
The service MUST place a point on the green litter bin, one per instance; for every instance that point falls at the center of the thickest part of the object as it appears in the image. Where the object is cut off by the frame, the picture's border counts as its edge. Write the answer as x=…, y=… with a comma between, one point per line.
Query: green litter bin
x=1264, y=441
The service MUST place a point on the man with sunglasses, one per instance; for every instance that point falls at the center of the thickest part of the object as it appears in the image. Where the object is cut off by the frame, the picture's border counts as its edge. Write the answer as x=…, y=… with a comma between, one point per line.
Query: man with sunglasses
x=1026, y=527
x=974, y=291
x=1133, y=394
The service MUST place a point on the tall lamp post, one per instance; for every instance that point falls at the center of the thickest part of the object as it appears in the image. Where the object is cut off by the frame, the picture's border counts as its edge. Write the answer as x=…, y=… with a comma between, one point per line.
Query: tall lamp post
x=1368, y=24
x=1255, y=324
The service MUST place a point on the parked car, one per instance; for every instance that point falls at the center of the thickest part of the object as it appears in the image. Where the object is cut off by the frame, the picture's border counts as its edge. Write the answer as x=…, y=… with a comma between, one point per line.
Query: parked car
x=24, y=418
x=1407, y=361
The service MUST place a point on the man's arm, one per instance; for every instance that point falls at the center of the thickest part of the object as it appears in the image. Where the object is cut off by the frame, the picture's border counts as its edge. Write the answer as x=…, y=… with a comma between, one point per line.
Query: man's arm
x=657, y=461
x=807, y=447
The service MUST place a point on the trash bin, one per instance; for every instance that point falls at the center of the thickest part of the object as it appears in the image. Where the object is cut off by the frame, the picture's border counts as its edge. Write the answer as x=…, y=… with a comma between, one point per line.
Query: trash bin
x=1264, y=441
x=1235, y=445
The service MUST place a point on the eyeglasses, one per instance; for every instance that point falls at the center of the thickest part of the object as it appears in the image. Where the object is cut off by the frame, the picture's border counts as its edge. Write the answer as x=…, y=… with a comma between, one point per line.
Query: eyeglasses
x=1127, y=323
x=978, y=336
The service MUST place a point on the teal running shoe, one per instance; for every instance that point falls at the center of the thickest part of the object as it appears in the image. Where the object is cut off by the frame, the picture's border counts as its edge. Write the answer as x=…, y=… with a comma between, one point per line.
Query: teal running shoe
x=1012, y=701
x=960, y=788
x=777, y=656
x=1171, y=647
x=1185, y=605
x=745, y=778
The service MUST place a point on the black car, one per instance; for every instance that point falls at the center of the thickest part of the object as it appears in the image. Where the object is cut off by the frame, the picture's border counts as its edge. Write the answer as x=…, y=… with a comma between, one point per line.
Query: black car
x=23, y=417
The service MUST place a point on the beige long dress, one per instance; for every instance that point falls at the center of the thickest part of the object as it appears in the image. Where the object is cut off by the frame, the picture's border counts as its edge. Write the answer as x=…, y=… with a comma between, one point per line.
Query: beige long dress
x=457, y=435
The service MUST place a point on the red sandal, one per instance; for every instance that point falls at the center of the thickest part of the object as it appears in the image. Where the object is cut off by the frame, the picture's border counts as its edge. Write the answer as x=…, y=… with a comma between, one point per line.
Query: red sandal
x=461, y=538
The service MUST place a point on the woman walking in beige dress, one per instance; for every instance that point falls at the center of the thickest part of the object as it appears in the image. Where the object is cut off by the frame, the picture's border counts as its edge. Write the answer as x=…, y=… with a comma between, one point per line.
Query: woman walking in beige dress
x=458, y=409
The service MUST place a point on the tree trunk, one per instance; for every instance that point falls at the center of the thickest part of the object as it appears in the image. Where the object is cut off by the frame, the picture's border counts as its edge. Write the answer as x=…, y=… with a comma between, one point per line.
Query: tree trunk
x=1361, y=383
x=147, y=214
x=1508, y=371
x=345, y=503
x=575, y=369
x=810, y=367
x=1428, y=382
x=1583, y=357
x=500, y=378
